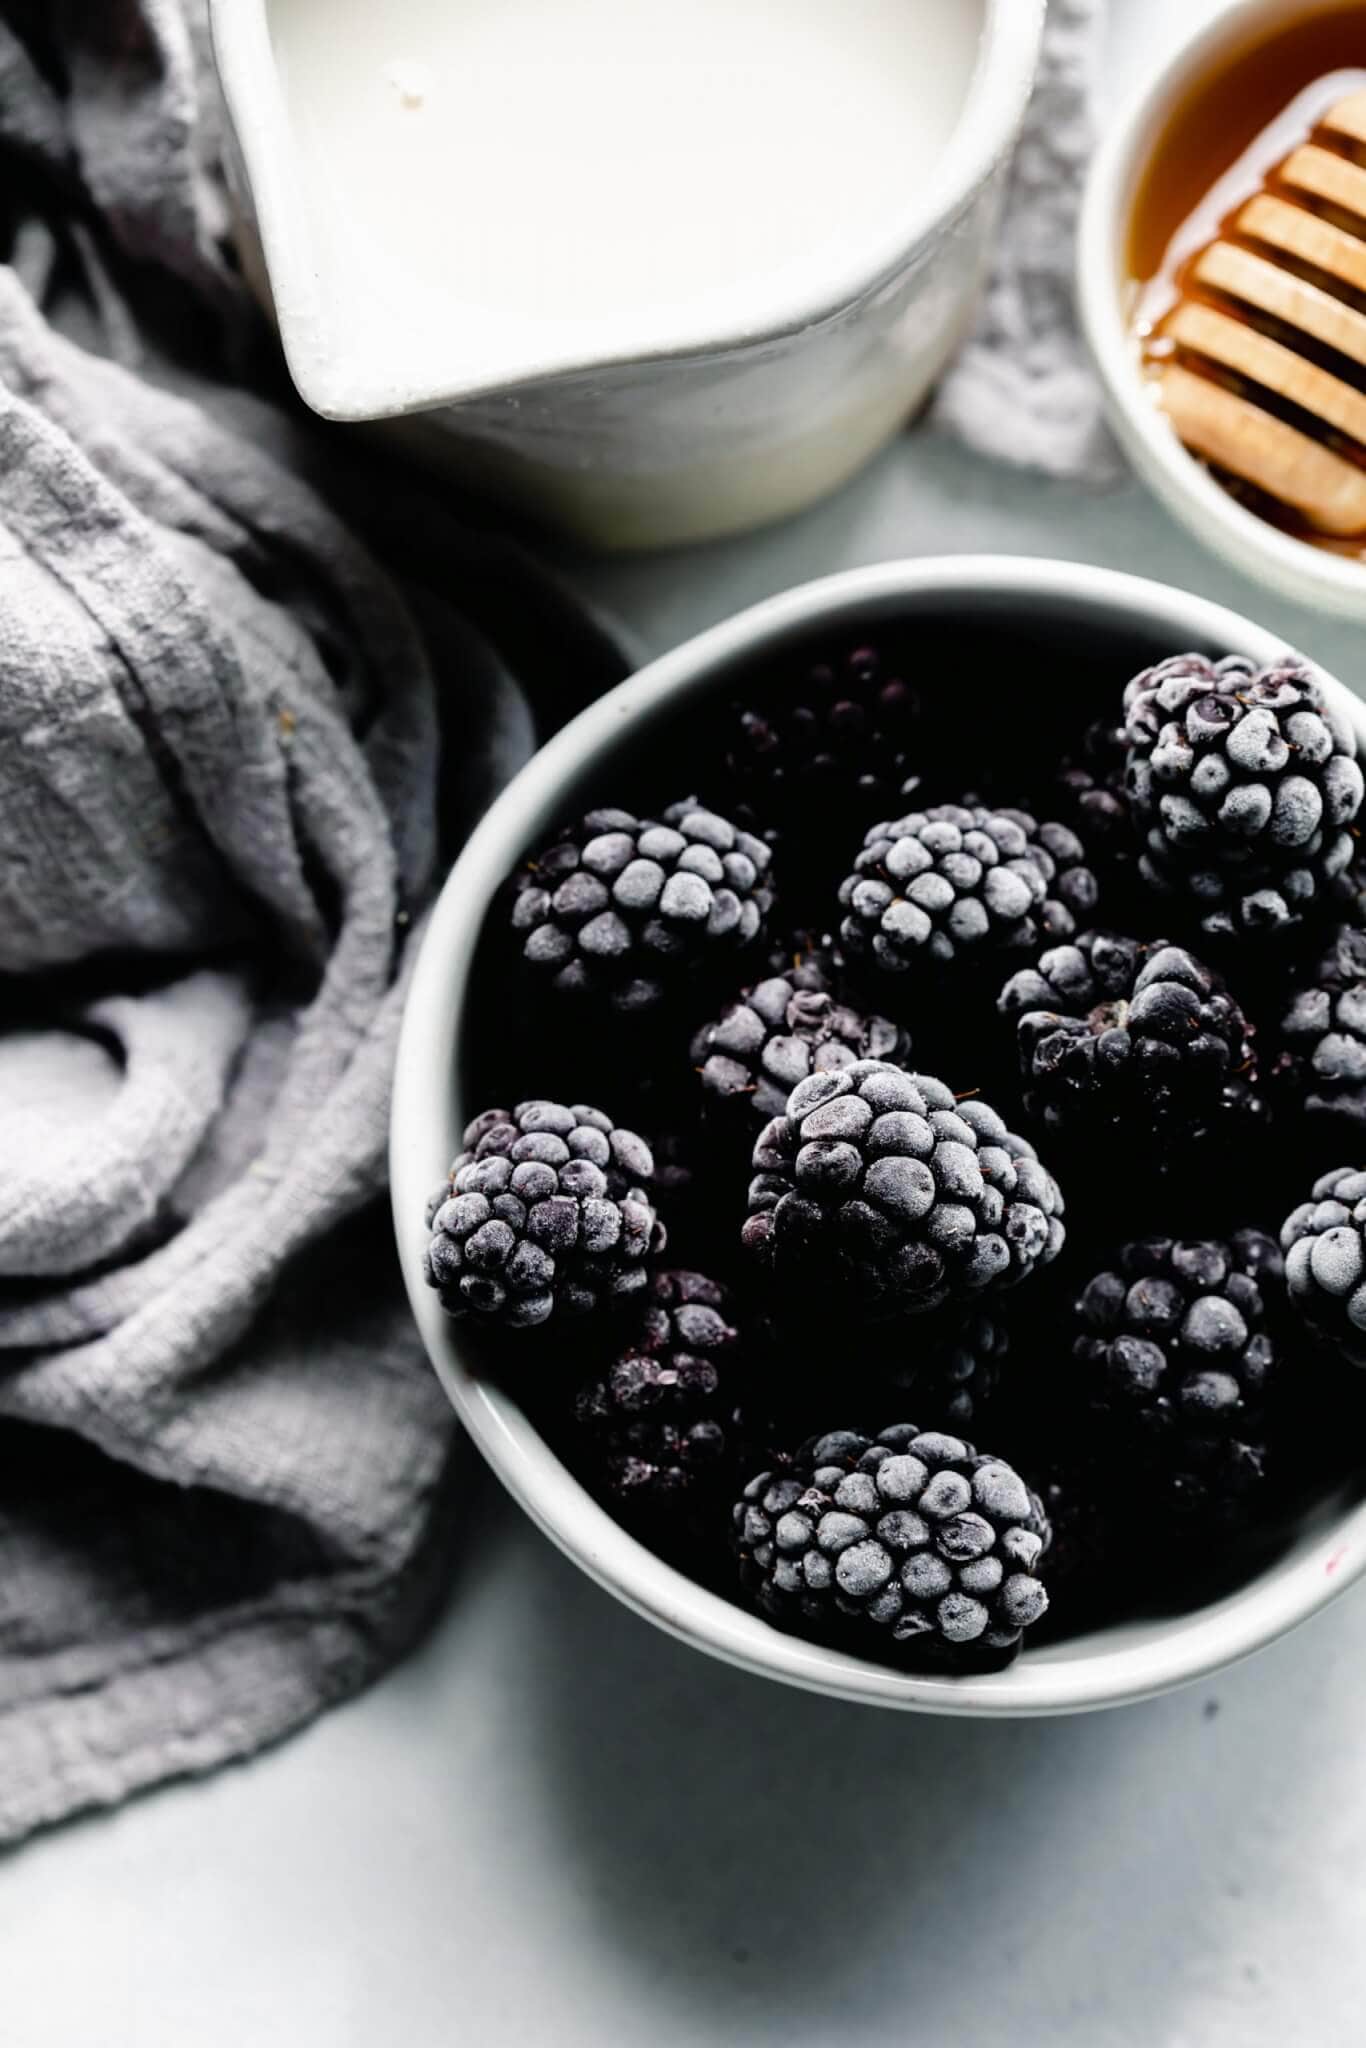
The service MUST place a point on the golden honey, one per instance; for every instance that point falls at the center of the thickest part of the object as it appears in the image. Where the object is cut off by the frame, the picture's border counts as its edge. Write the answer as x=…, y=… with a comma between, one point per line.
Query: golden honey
x=1247, y=256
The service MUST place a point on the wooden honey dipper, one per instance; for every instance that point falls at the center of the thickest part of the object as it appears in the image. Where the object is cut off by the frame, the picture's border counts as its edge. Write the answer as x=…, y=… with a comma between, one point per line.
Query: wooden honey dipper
x=1251, y=335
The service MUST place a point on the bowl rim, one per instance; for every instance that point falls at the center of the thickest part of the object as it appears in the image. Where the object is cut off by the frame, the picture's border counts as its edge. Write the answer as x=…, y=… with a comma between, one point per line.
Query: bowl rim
x=330, y=382
x=1292, y=567
x=1053, y=1679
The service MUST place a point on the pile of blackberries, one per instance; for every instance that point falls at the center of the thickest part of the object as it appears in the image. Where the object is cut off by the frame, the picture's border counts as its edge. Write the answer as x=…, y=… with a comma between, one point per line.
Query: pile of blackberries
x=1041, y=1123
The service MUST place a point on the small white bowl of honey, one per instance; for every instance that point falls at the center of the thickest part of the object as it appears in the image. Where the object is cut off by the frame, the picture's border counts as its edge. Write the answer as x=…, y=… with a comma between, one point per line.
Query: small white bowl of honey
x=1222, y=284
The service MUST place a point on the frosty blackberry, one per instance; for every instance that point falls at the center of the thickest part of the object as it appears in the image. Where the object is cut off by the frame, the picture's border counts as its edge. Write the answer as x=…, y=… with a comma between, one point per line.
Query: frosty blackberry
x=1091, y=797
x=1142, y=1036
x=625, y=909
x=1321, y=1071
x=547, y=1211
x=658, y=1425
x=1244, y=781
x=911, y=1541
x=1324, y=1241
x=961, y=882
x=879, y=1187
x=1175, y=1349
x=834, y=748
x=786, y=1027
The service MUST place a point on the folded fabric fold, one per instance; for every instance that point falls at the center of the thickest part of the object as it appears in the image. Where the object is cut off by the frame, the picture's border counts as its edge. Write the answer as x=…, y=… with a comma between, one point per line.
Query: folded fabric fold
x=217, y=746
x=132, y=1086
x=220, y=1445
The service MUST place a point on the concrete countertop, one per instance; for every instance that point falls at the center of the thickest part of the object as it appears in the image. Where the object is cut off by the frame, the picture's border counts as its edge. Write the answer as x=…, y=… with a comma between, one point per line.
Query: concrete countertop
x=553, y=1826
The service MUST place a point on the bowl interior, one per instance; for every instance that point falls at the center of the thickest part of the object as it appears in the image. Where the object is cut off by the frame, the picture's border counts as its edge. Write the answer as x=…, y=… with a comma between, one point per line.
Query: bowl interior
x=1031, y=647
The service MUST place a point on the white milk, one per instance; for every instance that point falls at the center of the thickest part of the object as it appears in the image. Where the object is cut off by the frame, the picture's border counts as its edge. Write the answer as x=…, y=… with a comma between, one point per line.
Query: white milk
x=498, y=182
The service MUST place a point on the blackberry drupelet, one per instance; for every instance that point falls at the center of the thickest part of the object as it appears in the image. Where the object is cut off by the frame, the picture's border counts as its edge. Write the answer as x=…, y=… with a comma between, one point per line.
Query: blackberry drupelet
x=1244, y=781
x=546, y=1212
x=961, y=882
x=877, y=1188
x=1142, y=1036
x=660, y=1426
x=1176, y=1354
x=625, y=908
x=910, y=1539
x=1324, y=1241
x=836, y=747
x=1322, y=1064
x=787, y=1026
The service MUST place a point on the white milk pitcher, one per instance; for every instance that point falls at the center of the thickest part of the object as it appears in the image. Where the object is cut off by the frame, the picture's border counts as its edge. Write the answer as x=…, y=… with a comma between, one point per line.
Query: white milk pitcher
x=652, y=269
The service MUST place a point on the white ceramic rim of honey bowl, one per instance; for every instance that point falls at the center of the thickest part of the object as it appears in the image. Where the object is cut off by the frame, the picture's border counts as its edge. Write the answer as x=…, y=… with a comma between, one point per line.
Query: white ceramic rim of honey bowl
x=1105, y=1668
x=1294, y=568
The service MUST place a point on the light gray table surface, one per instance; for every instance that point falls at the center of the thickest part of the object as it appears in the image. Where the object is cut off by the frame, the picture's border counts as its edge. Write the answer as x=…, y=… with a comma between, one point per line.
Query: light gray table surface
x=554, y=1826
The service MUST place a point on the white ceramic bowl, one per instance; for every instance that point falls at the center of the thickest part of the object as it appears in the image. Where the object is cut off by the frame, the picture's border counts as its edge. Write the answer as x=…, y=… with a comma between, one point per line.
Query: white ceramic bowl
x=1122, y=622
x=658, y=437
x=1306, y=574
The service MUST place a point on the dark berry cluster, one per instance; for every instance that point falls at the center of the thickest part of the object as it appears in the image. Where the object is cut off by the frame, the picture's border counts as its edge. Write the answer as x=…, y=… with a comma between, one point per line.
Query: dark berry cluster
x=779, y=1032
x=626, y=909
x=959, y=881
x=911, y=1533
x=837, y=744
x=547, y=1209
x=658, y=1421
x=952, y=1368
x=1244, y=781
x=1176, y=1356
x=1152, y=1370
x=1322, y=1063
x=901, y=1196
x=1090, y=796
x=1128, y=1030
x=1324, y=1240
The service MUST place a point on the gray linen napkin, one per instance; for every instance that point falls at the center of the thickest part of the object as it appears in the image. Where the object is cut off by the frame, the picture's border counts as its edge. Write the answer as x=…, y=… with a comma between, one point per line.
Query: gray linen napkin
x=207, y=843
x=221, y=1449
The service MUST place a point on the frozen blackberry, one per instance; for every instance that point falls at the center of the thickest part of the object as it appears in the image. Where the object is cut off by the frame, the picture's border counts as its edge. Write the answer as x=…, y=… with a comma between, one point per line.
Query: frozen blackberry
x=1144, y=1037
x=1176, y=1353
x=907, y=1539
x=1244, y=781
x=947, y=1367
x=785, y=1027
x=958, y=882
x=877, y=1188
x=625, y=908
x=1322, y=1063
x=950, y=1365
x=1348, y=894
x=1091, y=795
x=659, y=1425
x=836, y=745
x=546, y=1212
x=1324, y=1242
